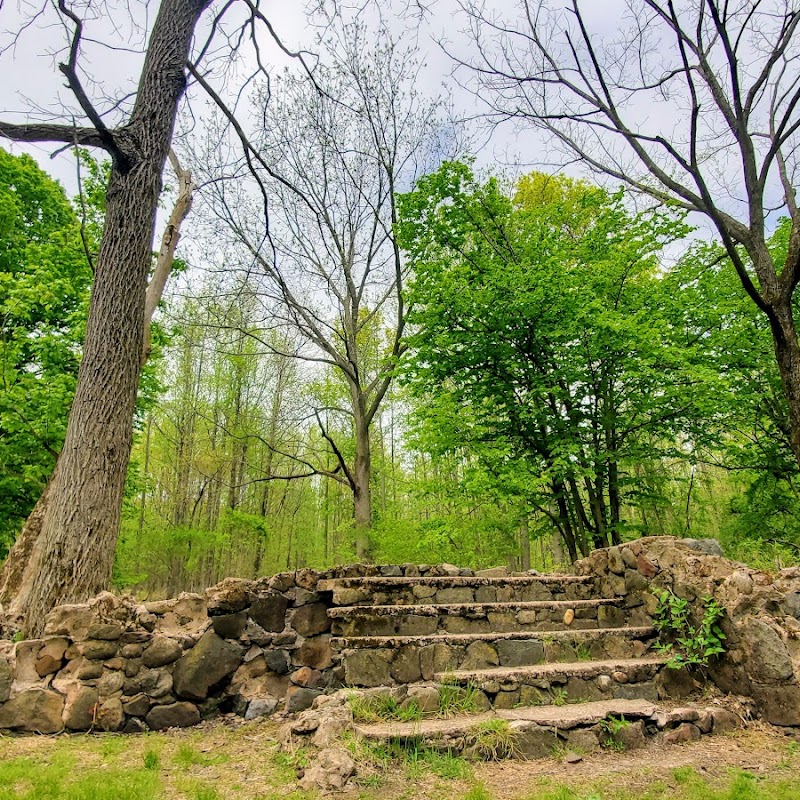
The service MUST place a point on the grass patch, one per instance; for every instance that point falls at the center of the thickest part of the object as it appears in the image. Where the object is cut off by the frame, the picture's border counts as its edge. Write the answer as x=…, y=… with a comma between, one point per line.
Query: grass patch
x=493, y=740
x=188, y=756
x=456, y=699
x=382, y=708
x=61, y=779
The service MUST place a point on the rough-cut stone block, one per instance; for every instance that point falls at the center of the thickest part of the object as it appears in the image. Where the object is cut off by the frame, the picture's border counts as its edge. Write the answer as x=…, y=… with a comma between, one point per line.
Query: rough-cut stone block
x=367, y=668
x=99, y=649
x=299, y=698
x=769, y=660
x=161, y=651
x=520, y=653
x=307, y=677
x=35, y=710
x=80, y=708
x=6, y=679
x=154, y=682
x=315, y=652
x=228, y=597
x=455, y=595
x=437, y=658
x=480, y=655
x=405, y=666
x=174, y=715
x=261, y=707
x=230, y=626
x=211, y=660
x=311, y=619
x=106, y=631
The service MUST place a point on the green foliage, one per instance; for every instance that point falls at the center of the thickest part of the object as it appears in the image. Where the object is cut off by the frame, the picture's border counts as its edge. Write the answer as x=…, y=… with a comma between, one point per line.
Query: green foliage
x=151, y=760
x=544, y=351
x=44, y=291
x=687, y=644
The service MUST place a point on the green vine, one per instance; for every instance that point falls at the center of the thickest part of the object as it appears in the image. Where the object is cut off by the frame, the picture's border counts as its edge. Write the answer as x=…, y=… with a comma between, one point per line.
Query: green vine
x=687, y=644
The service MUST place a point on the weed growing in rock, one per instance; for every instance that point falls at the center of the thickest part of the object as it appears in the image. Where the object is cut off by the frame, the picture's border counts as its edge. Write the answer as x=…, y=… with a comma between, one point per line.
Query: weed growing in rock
x=455, y=699
x=382, y=708
x=558, y=696
x=493, y=740
x=687, y=644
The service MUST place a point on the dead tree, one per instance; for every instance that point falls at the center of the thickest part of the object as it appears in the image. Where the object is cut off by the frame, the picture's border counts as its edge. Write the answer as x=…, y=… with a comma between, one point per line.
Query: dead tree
x=691, y=102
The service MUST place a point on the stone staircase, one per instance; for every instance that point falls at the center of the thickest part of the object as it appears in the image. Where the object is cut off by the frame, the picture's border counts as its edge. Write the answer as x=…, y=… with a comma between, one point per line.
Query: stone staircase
x=551, y=655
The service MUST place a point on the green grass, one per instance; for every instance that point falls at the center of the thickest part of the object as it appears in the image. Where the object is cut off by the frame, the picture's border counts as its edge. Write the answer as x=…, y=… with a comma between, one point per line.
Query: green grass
x=455, y=699
x=493, y=740
x=189, y=756
x=686, y=784
x=58, y=778
x=382, y=708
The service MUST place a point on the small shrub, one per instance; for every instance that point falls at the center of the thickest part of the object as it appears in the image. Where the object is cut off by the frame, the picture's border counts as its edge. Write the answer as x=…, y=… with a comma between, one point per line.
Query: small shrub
x=559, y=697
x=687, y=644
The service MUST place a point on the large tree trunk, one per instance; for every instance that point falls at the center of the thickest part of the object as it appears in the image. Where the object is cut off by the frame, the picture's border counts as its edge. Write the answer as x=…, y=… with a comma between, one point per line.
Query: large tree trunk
x=787, y=352
x=362, y=497
x=81, y=520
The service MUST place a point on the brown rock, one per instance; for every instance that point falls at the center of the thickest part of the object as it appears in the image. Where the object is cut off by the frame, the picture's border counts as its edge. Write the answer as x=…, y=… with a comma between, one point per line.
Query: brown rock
x=228, y=597
x=106, y=631
x=685, y=732
x=724, y=720
x=316, y=652
x=174, y=715
x=311, y=619
x=110, y=683
x=131, y=651
x=137, y=706
x=80, y=708
x=769, y=660
x=268, y=611
x=98, y=650
x=35, y=710
x=161, y=651
x=306, y=677
x=779, y=705
x=47, y=665
x=647, y=567
x=110, y=716
x=479, y=655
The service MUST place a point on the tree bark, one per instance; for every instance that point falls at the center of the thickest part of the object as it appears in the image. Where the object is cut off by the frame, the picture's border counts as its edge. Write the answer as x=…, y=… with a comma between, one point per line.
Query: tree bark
x=362, y=490
x=787, y=353
x=81, y=520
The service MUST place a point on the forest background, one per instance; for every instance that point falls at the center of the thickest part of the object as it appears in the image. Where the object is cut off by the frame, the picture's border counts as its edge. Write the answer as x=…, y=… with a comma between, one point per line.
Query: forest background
x=418, y=359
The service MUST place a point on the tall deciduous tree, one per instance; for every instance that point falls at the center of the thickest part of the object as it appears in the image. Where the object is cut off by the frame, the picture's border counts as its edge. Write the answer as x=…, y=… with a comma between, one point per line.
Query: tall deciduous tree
x=540, y=342
x=81, y=521
x=331, y=162
x=695, y=103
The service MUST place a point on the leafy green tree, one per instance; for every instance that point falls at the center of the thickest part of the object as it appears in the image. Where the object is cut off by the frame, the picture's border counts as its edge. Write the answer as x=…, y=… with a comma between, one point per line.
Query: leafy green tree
x=543, y=341
x=44, y=289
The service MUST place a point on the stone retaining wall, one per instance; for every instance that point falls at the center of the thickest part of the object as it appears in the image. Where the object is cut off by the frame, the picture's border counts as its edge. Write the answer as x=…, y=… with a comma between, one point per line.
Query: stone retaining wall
x=257, y=647
x=253, y=647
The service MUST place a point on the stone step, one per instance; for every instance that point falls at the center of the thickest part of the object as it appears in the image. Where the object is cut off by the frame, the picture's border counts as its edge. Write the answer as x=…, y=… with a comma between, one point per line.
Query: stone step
x=568, y=682
x=455, y=639
x=449, y=589
x=539, y=732
x=457, y=618
x=408, y=656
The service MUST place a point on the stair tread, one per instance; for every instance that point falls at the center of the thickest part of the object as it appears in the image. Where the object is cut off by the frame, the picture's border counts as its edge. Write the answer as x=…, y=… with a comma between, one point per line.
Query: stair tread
x=466, y=638
x=577, y=668
x=562, y=717
x=330, y=584
x=434, y=609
